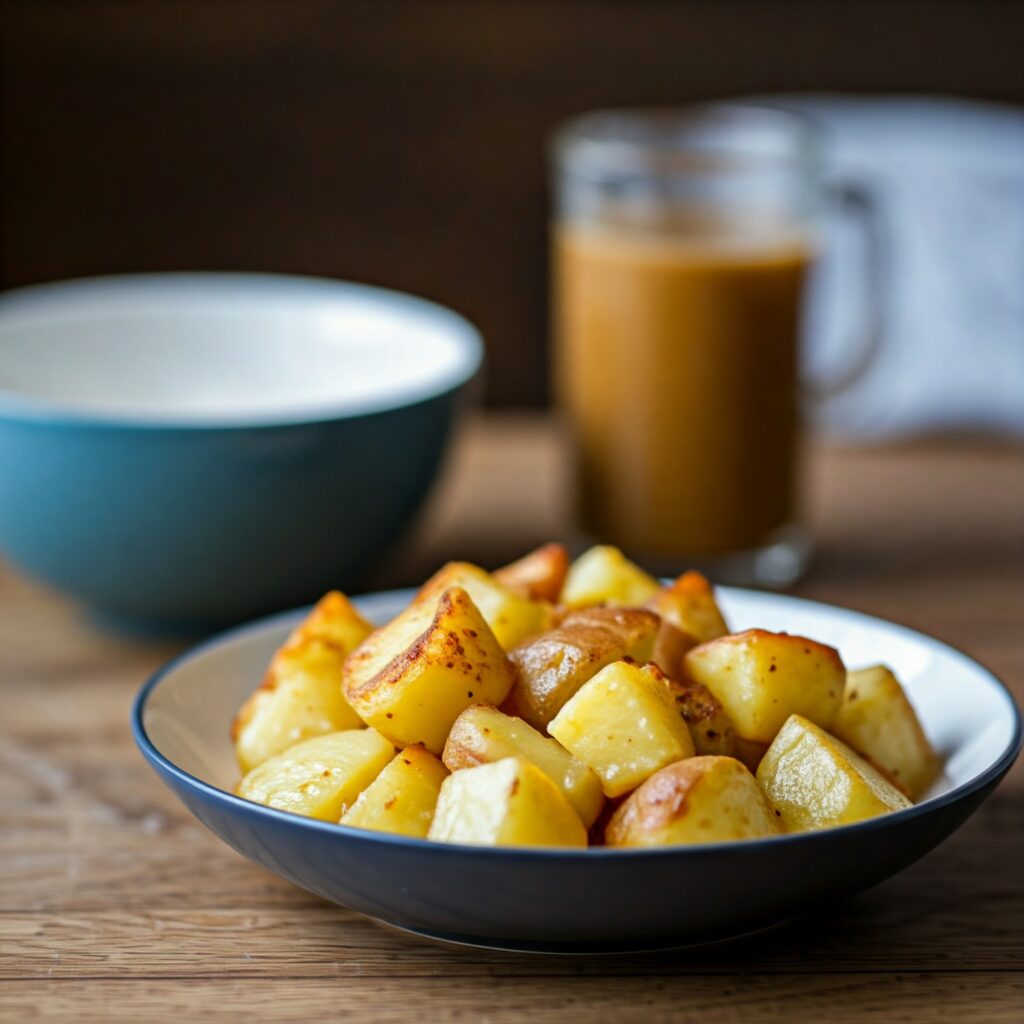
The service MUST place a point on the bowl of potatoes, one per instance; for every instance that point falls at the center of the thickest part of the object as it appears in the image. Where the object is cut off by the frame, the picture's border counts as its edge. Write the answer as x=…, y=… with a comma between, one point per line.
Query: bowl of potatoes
x=572, y=756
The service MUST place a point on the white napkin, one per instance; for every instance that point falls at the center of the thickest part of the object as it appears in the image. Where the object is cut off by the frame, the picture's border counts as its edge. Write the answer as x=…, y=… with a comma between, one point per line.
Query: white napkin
x=949, y=177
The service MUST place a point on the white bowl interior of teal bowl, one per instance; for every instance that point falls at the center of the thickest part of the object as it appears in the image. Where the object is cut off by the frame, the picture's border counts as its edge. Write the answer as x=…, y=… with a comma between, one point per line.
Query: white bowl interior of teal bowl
x=965, y=711
x=225, y=349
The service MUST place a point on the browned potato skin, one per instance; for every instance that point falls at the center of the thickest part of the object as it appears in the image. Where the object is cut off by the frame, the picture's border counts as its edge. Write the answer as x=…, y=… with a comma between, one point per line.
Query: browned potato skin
x=652, y=806
x=550, y=668
x=689, y=605
x=671, y=648
x=664, y=799
x=538, y=575
x=710, y=727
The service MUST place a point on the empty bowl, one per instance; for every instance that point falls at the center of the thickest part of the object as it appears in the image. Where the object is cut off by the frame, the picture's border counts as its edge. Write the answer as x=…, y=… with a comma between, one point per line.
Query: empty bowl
x=596, y=900
x=199, y=448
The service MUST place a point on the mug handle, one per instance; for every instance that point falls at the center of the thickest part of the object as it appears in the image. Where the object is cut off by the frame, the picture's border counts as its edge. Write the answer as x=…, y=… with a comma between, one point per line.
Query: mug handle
x=853, y=200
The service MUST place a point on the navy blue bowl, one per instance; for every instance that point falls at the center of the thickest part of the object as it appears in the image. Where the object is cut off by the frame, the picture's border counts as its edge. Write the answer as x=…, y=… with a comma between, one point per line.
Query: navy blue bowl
x=199, y=448
x=596, y=900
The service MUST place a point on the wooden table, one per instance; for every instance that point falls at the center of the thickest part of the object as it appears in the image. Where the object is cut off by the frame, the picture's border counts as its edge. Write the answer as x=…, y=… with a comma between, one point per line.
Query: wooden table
x=115, y=903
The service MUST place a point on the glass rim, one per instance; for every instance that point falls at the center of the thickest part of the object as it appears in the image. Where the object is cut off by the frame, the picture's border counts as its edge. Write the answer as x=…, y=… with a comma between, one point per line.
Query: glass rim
x=689, y=139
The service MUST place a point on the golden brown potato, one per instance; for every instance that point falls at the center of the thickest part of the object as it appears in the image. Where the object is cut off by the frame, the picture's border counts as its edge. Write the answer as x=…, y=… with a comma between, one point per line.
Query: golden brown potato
x=333, y=620
x=700, y=800
x=402, y=798
x=553, y=666
x=300, y=695
x=604, y=576
x=689, y=605
x=412, y=678
x=812, y=780
x=482, y=735
x=709, y=725
x=320, y=777
x=762, y=678
x=538, y=575
x=508, y=803
x=512, y=617
x=879, y=722
x=624, y=725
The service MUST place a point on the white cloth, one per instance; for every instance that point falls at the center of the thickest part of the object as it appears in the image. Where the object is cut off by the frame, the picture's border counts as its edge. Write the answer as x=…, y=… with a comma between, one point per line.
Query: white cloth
x=949, y=178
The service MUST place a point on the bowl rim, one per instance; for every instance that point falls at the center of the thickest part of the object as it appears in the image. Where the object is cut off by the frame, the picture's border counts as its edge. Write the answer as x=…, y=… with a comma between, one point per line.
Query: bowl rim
x=33, y=299
x=990, y=775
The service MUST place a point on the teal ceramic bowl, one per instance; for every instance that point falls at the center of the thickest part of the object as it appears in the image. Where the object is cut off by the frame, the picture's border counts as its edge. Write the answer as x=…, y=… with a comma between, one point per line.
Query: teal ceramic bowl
x=192, y=449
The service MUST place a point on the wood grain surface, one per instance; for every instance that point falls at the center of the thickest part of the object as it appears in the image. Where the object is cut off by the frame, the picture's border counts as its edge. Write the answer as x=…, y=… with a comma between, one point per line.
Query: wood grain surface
x=116, y=904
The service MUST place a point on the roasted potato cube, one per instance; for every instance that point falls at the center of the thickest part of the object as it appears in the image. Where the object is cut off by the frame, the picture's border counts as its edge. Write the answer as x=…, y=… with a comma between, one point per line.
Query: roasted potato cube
x=603, y=575
x=624, y=725
x=320, y=777
x=508, y=803
x=482, y=735
x=300, y=695
x=553, y=666
x=709, y=725
x=689, y=616
x=335, y=621
x=878, y=721
x=689, y=605
x=538, y=575
x=762, y=678
x=412, y=678
x=812, y=780
x=511, y=616
x=700, y=800
x=402, y=798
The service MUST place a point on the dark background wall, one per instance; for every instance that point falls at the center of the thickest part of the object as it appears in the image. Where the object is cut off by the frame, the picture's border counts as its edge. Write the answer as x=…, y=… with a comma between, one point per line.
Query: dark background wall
x=397, y=141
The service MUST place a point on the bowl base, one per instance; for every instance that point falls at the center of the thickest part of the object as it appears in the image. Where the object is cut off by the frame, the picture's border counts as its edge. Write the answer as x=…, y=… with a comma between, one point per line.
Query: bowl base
x=577, y=948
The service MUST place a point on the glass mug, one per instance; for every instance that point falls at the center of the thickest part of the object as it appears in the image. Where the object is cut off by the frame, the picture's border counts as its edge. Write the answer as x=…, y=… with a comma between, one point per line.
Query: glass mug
x=683, y=243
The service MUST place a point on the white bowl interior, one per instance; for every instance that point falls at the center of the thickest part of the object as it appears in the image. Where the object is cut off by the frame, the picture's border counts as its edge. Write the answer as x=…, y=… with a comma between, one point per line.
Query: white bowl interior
x=967, y=715
x=226, y=347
